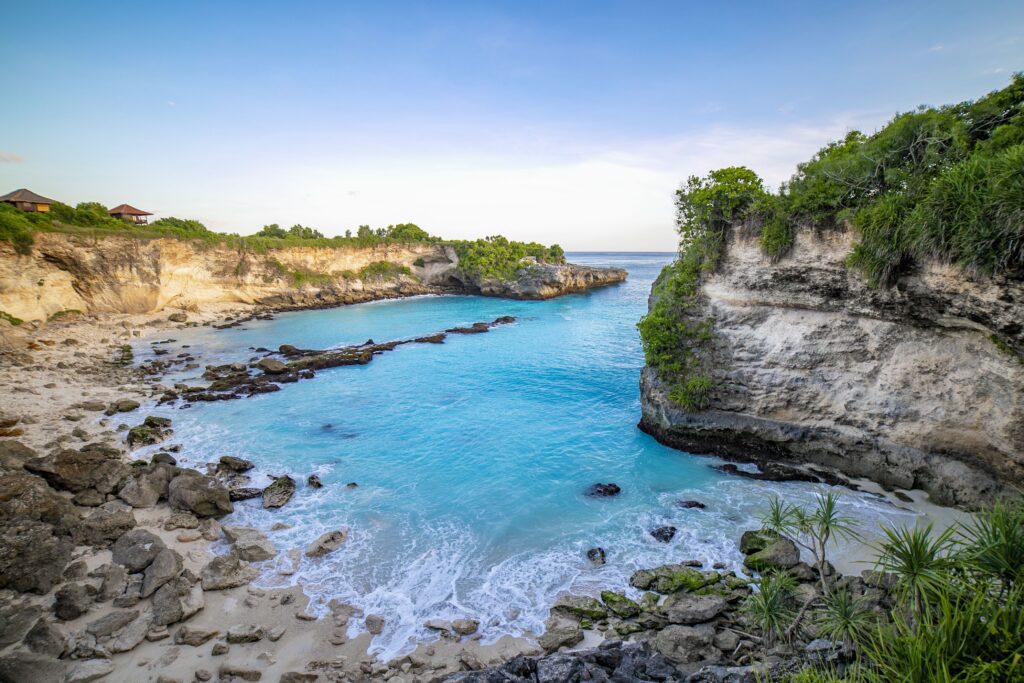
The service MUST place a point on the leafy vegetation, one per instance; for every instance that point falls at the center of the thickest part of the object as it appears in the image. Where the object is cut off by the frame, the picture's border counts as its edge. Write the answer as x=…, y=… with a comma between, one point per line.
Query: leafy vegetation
x=943, y=184
x=10, y=318
x=382, y=270
x=491, y=257
x=675, y=336
x=497, y=257
x=955, y=614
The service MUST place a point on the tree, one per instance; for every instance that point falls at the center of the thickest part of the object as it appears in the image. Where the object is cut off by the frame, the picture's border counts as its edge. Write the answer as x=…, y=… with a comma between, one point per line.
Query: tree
x=272, y=230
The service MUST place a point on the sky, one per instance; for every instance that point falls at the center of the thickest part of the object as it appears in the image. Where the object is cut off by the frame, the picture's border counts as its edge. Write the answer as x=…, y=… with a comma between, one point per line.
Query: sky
x=567, y=122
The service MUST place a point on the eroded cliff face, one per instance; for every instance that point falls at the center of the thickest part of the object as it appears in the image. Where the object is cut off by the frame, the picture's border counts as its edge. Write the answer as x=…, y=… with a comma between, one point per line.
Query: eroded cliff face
x=903, y=386
x=128, y=275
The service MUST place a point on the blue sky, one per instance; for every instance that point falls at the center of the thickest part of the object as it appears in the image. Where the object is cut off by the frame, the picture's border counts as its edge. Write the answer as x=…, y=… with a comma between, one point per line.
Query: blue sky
x=554, y=121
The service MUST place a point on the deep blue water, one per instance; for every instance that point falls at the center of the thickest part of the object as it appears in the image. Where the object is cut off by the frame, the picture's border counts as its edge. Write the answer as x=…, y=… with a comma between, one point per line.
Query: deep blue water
x=471, y=457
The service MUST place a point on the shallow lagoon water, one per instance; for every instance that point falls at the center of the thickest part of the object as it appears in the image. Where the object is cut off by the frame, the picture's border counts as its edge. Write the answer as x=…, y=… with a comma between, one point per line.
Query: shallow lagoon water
x=471, y=458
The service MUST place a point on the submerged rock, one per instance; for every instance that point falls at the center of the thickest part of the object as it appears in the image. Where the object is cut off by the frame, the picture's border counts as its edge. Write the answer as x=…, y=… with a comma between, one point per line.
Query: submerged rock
x=663, y=534
x=596, y=555
x=602, y=490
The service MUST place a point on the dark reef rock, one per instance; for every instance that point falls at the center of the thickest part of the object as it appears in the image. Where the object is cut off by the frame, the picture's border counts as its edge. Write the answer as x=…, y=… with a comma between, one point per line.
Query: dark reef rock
x=602, y=490
x=664, y=534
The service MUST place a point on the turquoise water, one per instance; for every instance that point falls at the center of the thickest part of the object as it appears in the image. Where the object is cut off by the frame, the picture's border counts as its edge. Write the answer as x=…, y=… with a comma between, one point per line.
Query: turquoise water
x=471, y=457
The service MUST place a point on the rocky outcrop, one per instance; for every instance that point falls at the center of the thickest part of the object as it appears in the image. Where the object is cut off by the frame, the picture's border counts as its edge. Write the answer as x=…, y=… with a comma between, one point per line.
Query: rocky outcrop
x=115, y=274
x=905, y=385
x=545, y=281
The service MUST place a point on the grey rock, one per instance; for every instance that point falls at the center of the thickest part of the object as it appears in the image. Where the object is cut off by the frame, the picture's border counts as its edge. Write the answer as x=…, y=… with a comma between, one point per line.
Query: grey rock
x=326, y=543
x=136, y=549
x=231, y=672
x=165, y=566
x=374, y=623
x=682, y=644
x=226, y=571
x=177, y=600
x=250, y=544
x=245, y=633
x=72, y=600
x=107, y=624
x=25, y=667
x=272, y=366
x=114, y=581
x=781, y=553
x=687, y=608
x=234, y=464
x=106, y=523
x=45, y=638
x=34, y=556
x=193, y=636
x=201, y=495
x=147, y=486
x=559, y=632
x=88, y=670
x=133, y=633
x=465, y=627
x=279, y=492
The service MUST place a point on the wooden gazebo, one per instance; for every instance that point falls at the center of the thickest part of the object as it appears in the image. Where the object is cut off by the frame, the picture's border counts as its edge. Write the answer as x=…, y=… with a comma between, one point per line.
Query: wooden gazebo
x=129, y=213
x=27, y=200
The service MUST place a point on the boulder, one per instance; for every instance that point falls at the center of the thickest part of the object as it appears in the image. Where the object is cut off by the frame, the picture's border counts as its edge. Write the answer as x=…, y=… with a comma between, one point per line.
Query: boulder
x=559, y=632
x=177, y=600
x=114, y=579
x=374, y=624
x=107, y=624
x=596, y=555
x=279, y=492
x=164, y=567
x=86, y=670
x=94, y=466
x=755, y=540
x=181, y=520
x=580, y=606
x=272, y=366
x=686, y=608
x=105, y=524
x=20, y=666
x=245, y=633
x=663, y=534
x=45, y=638
x=326, y=543
x=136, y=549
x=682, y=644
x=602, y=490
x=230, y=672
x=232, y=464
x=201, y=495
x=313, y=481
x=781, y=553
x=24, y=496
x=147, y=485
x=691, y=505
x=226, y=571
x=250, y=544
x=13, y=454
x=465, y=627
x=193, y=636
x=620, y=605
x=72, y=600
x=153, y=430
x=131, y=635
x=179, y=317
x=33, y=557
x=124, y=405
x=237, y=493
x=671, y=578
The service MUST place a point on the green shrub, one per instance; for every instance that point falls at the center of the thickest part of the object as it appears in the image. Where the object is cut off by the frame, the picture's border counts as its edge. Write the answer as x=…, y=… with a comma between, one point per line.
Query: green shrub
x=379, y=270
x=497, y=257
x=16, y=228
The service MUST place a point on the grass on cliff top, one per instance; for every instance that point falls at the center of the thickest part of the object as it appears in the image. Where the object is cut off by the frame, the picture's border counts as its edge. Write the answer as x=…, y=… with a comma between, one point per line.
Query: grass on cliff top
x=489, y=257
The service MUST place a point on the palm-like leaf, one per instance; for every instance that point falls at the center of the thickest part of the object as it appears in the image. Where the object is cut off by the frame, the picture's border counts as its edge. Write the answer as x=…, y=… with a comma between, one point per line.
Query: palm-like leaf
x=920, y=561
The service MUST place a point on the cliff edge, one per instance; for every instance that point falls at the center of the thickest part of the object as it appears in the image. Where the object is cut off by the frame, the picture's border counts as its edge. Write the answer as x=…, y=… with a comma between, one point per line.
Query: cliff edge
x=920, y=385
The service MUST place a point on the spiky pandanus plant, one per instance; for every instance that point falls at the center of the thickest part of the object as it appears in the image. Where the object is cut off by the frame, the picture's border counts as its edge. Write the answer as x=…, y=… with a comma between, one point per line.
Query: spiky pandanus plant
x=770, y=607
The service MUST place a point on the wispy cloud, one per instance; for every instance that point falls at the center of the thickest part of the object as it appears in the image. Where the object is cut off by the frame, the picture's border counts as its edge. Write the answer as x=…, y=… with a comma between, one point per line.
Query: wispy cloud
x=937, y=48
x=10, y=158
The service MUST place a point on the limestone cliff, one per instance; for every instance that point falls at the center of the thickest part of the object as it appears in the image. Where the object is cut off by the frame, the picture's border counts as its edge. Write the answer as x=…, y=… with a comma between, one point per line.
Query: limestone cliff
x=904, y=385
x=129, y=275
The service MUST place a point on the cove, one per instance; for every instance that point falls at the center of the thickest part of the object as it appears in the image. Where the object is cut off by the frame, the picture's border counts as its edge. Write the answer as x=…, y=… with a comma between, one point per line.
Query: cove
x=471, y=458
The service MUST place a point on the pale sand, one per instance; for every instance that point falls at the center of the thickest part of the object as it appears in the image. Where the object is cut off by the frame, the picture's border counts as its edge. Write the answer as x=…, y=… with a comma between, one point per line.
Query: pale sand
x=37, y=389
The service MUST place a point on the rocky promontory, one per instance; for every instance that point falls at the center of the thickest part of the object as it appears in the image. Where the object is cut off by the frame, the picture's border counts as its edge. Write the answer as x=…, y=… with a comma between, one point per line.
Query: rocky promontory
x=920, y=385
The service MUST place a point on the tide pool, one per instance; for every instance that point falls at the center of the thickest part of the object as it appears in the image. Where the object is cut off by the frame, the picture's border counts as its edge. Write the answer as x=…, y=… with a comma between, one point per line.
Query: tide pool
x=471, y=458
